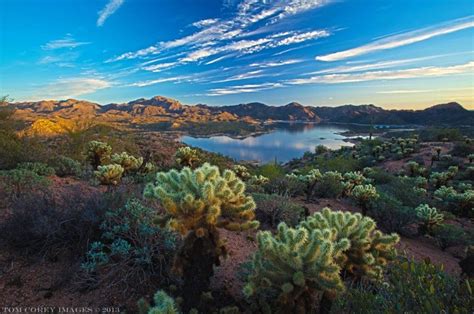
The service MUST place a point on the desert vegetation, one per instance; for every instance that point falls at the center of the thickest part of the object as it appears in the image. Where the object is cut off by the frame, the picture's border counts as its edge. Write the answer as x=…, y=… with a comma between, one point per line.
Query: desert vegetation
x=114, y=217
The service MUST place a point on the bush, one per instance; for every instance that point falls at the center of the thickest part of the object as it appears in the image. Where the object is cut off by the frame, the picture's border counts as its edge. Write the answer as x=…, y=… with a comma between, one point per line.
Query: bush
x=285, y=186
x=401, y=188
x=39, y=168
x=39, y=225
x=133, y=249
x=18, y=182
x=330, y=186
x=271, y=171
x=391, y=215
x=450, y=235
x=273, y=209
x=65, y=166
x=411, y=287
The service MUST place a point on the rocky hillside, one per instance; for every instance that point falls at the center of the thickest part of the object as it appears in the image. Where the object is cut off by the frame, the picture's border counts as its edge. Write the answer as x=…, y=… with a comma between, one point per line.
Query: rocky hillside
x=159, y=109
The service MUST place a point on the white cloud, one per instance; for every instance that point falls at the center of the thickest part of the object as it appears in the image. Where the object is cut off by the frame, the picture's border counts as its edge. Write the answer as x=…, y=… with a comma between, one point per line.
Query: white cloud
x=401, y=39
x=249, y=88
x=243, y=76
x=405, y=91
x=205, y=23
x=387, y=75
x=108, y=10
x=218, y=35
x=271, y=64
x=160, y=66
x=70, y=88
x=66, y=42
x=157, y=81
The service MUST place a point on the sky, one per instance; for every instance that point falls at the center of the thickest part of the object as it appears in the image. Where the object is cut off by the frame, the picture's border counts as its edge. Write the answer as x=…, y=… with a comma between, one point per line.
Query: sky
x=398, y=54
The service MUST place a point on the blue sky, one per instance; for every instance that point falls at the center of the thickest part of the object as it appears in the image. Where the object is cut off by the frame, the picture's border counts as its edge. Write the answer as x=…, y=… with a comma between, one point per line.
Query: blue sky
x=396, y=54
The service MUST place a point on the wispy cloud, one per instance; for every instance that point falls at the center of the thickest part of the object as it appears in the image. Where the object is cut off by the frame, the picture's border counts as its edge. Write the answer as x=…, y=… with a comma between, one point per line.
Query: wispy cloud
x=66, y=42
x=271, y=64
x=160, y=80
x=405, y=91
x=431, y=71
x=108, y=10
x=70, y=88
x=249, y=88
x=160, y=66
x=402, y=39
x=221, y=36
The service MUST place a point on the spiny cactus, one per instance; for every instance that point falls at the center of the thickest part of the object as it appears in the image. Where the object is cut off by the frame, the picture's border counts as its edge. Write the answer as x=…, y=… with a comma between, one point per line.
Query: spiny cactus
x=241, y=171
x=353, y=179
x=197, y=202
x=129, y=163
x=363, y=195
x=462, y=202
x=439, y=179
x=202, y=198
x=187, y=157
x=414, y=169
x=109, y=174
x=370, y=250
x=98, y=153
x=295, y=265
x=471, y=158
x=163, y=304
x=309, y=180
x=429, y=216
x=258, y=180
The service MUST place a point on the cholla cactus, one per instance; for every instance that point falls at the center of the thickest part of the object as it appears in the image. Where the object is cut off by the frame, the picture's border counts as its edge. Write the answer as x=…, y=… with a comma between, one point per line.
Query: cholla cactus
x=471, y=158
x=202, y=198
x=462, y=202
x=414, y=169
x=438, y=152
x=241, y=171
x=98, y=153
x=363, y=195
x=187, y=157
x=421, y=182
x=439, y=179
x=109, y=174
x=370, y=250
x=258, y=180
x=296, y=264
x=352, y=179
x=197, y=202
x=309, y=180
x=429, y=216
x=129, y=163
x=163, y=304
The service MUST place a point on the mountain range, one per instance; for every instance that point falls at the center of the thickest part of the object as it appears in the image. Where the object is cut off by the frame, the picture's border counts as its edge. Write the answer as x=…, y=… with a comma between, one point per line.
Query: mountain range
x=160, y=109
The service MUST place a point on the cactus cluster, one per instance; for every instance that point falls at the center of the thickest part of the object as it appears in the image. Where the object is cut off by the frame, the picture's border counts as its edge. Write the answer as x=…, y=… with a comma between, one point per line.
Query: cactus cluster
x=241, y=171
x=258, y=180
x=128, y=162
x=109, y=174
x=461, y=202
x=415, y=169
x=363, y=195
x=370, y=249
x=439, y=179
x=429, y=216
x=187, y=157
x=296, y=264
x=98, y=153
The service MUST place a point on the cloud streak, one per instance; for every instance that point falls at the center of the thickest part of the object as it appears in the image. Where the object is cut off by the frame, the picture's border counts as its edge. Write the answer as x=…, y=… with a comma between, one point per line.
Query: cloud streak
x=400, y=40
x=431, y=71
x=108, y=10
x=70, y=88
x=66, y=42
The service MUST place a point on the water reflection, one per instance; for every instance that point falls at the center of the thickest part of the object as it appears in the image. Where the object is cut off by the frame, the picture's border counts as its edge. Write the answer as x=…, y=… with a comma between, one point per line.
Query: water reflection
x=288, y=141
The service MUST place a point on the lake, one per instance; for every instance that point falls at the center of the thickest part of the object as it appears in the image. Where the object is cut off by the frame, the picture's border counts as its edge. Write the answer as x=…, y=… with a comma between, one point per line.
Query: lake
x=287, y=141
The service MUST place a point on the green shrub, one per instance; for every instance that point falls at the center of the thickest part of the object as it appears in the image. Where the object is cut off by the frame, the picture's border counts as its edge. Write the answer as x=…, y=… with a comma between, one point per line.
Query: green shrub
x=273, y=209
x=270, y=171
x=330, y=186
x=65, y=166
x=16, y=182
x=411, y=287
x=391, y=215
x=133, y=249
x=285, y=186
x=39, y=168
x=451, y=235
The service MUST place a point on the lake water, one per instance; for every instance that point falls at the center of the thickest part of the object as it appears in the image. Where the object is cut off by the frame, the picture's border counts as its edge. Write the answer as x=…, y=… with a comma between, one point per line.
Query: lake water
x=288, y=141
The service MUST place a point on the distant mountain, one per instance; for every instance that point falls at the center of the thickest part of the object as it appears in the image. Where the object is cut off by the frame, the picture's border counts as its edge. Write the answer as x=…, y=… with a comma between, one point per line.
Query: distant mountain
x=160, y=109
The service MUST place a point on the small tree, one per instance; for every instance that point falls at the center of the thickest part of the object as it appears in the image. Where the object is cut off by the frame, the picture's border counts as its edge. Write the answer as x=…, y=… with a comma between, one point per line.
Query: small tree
x=197, y=202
